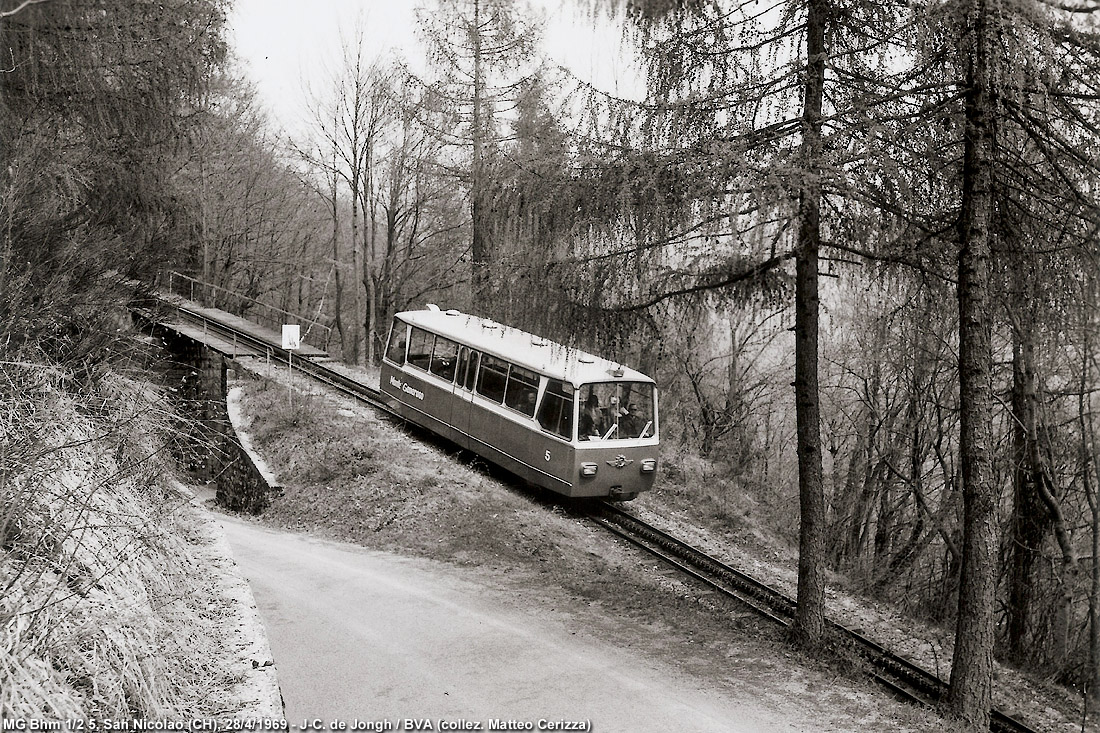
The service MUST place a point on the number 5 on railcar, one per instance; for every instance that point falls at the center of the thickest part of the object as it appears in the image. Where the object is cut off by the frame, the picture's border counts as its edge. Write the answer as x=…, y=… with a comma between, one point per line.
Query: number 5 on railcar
x=557, y=417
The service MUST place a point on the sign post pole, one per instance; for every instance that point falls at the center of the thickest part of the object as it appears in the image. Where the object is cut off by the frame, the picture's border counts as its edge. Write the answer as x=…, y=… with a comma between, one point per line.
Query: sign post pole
x=292, y=340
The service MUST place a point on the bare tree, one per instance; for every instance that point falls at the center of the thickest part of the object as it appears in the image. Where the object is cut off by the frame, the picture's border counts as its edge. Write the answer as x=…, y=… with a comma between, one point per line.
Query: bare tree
x=351, y=121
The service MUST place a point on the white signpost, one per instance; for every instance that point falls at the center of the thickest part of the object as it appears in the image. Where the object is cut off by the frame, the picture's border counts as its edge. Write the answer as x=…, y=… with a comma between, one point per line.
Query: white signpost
x=292, y=336
x=292, y=341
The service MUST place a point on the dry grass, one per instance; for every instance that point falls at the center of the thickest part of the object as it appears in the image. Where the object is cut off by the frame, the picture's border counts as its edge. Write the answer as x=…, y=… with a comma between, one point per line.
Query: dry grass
x=104, y=609
x=358, y=480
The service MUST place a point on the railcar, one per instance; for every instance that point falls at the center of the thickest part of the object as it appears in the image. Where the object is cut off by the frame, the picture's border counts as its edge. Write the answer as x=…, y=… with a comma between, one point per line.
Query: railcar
x=558, y=417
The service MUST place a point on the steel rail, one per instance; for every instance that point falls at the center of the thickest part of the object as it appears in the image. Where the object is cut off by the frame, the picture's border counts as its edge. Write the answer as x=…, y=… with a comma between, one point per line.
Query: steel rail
x=899, y=675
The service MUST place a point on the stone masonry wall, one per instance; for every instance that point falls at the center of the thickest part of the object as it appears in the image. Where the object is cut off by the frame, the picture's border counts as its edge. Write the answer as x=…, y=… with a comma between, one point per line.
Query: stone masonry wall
x=210, y=448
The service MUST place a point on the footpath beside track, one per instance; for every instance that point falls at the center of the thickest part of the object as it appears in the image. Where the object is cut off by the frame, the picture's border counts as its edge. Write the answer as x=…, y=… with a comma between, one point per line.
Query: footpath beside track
x=900, y=676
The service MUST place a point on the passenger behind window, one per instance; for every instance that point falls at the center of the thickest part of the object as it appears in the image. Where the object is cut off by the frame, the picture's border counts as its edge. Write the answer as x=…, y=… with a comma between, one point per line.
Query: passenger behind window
x=591, y=423
x=629, y=426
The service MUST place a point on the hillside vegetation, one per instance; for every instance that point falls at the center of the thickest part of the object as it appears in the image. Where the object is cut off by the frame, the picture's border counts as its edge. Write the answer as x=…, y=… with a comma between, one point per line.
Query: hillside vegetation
x=108, y=608
x=855, y=245
x=107, y=605
x=351, y=475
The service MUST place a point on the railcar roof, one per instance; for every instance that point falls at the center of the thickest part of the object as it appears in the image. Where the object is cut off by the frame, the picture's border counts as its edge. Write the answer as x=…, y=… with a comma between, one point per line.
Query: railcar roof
x=522, y=348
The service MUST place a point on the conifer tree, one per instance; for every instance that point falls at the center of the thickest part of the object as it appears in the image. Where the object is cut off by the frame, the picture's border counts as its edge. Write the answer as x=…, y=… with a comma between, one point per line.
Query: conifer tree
x=97, y=102
x=740, y=95
x=480, y=53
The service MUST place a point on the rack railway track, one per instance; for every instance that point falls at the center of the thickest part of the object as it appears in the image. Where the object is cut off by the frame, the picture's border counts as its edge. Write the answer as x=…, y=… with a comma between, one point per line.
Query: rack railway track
x=897, y=674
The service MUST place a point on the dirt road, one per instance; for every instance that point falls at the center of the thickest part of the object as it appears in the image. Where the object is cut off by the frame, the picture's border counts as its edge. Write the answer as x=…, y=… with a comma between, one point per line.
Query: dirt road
x=387, y=641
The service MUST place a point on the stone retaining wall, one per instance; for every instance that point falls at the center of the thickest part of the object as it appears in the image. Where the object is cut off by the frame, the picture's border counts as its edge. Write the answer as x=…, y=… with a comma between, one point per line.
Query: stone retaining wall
x=210, y=447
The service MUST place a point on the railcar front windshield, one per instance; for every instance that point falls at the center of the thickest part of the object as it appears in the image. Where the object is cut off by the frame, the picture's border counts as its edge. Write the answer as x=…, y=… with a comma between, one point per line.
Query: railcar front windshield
x=616, y=411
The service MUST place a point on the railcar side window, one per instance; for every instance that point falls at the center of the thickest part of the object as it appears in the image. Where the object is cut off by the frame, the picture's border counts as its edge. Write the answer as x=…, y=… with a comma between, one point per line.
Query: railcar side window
x=492, y=378
x=463, y=365
x=523, y=388
x=420, y=347
x=556, y=410
x=471, y=370
x=395, y=352
x=444, y=358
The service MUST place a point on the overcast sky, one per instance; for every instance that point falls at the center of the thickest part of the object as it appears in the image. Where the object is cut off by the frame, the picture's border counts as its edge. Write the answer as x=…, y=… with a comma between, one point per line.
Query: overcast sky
x=282, y=44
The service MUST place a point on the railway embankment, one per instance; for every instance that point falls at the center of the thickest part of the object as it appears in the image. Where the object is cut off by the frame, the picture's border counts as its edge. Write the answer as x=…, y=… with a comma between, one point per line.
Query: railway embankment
x=728, y=531
x=119, y=600
x=350, y=475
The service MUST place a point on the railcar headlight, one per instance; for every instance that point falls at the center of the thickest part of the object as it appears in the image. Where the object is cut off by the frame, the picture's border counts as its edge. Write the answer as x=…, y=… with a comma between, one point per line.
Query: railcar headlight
x=589, y=469
x=649, y=465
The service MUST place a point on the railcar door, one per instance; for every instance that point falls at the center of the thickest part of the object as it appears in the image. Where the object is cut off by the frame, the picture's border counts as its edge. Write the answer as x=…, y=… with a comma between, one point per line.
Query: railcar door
x=554, y=442
x=462, y=406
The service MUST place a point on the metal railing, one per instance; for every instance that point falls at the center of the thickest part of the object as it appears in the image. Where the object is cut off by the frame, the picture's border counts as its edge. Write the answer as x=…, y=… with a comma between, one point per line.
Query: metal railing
x=207, y=294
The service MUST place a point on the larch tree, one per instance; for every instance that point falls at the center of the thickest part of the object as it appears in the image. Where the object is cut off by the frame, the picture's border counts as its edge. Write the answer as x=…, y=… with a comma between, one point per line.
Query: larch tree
x=810, y=618
x=752, y=149
x=994, y=94
x=479, y=53
x=972, y=665
x=1028, y=155
x=934, y=120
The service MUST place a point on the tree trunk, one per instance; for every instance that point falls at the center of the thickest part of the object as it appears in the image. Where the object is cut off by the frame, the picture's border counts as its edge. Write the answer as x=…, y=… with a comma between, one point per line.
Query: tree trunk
x=1050, y=496
x=479, y=247
x=336, y=261
x=371, y=283
x=370, y=323
x=847, y=513
x=809, y=628
x=1092, y=493
x=1038, y=505
x=1093, y=678
x=386, y=278
x=205, y=221
x=971, y=690
x=1029, y=518
x=357, y=267
x=735, y=419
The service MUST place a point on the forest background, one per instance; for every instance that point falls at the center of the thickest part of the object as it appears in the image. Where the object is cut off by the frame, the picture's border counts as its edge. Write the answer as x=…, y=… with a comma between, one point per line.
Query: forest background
x=889, y=207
